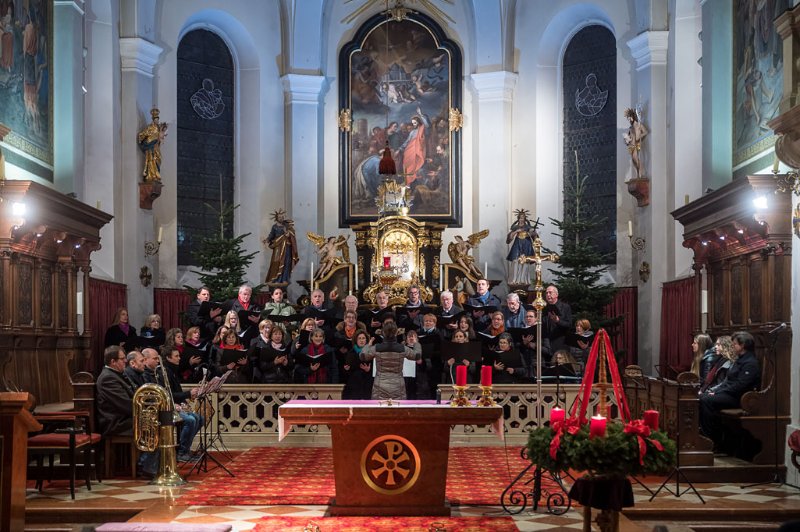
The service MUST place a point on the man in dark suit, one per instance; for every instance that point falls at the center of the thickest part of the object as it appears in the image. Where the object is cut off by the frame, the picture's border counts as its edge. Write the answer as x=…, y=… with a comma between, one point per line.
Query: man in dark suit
x=114, y=400
x=743, y=376
x=208, y=324
x=134, y=371
x=557, y=321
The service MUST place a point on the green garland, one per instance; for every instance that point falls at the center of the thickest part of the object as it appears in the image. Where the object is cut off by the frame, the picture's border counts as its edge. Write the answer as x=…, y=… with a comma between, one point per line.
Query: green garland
x=615, y=454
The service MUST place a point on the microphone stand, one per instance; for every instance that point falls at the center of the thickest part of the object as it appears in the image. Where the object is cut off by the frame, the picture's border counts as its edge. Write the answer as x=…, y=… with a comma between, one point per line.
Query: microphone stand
x=773, y=357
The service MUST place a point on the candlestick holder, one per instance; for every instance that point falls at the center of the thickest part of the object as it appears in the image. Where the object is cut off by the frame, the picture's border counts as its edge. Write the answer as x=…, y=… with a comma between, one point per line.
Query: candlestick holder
x=460, y=397
x=486, y=398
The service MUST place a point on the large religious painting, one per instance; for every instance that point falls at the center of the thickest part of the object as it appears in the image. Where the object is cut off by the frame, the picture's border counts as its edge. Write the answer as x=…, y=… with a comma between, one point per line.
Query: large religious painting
x=399, y=82
x=26, y=84
x=757, y=75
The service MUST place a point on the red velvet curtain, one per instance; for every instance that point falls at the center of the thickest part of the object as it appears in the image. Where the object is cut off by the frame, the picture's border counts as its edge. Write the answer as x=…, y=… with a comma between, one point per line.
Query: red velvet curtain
x=105, y=297
x=625, y=304
x=170, y=304
x=679, y=319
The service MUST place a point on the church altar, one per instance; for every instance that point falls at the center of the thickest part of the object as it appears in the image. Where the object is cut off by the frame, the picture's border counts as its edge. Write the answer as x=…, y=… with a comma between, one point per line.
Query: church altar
x=390, y=458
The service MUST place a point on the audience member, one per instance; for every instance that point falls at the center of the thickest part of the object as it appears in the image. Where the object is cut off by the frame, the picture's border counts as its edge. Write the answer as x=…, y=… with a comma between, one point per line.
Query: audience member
x=122, y=333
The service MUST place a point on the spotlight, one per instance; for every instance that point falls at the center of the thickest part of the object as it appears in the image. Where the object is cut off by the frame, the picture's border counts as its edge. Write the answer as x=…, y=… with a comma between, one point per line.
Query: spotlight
x=760, y=202
x=18, y=208
x=704, y=242
x=740, y=231
x=722, y=237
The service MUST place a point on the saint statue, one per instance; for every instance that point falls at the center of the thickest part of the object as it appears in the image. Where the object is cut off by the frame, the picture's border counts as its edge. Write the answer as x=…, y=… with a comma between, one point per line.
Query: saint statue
x=633, y=140
x=281, y=240
x=521, y=235
x=149, y=140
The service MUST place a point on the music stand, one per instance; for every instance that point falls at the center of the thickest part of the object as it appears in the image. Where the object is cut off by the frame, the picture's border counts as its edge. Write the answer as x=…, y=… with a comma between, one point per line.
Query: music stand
x=677, y=472
x=206, y=435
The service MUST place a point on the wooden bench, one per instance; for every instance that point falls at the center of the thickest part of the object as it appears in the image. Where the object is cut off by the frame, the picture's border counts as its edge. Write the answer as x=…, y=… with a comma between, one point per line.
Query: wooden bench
x=749, y=431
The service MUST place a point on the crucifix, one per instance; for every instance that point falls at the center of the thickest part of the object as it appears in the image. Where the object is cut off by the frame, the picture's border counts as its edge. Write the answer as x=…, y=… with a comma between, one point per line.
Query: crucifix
x=539, y=305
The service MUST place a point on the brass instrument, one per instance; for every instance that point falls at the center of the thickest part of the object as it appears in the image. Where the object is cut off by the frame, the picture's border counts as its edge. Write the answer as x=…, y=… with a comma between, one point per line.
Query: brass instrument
x=154, y=428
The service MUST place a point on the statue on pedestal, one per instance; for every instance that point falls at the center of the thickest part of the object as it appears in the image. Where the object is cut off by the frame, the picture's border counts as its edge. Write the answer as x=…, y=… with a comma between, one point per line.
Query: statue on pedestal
x=521, y=235
x=281, y=240
x=633, y=140
x=149, y=140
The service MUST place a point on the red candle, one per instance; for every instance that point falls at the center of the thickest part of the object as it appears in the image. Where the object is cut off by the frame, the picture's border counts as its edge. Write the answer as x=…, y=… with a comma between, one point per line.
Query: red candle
x=387, y=263
x=461, y=375
x=486, y=375
x=556, y=415
x=651, y=419
x=597, y=427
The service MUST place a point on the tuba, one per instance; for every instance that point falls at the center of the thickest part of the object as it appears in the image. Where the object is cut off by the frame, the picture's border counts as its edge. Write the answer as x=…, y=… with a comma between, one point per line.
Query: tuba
x=154, y=428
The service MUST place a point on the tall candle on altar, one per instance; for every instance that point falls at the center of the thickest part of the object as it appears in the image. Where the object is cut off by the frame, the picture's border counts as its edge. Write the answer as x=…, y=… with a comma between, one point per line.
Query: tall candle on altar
x=486, y=376
x=630, y=228
x=651, y=419
x=486, y=270
x=311, y=276
x=461, y=375
x=556, y=415
x=356, y=276
x=597, y=427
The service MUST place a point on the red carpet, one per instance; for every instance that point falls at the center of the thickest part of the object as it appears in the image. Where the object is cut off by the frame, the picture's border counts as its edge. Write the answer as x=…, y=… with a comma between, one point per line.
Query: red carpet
x=304, y=475
x=387, y=524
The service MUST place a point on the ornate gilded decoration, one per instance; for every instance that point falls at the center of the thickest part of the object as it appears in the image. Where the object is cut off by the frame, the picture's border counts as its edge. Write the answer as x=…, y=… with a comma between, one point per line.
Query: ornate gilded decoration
x=459, y=251
x=149, y=140
x=328, y=250
x=145, y=276
x=436, y=266
x=796, y=220
x=390, y=464
x=398, y=12
x=393, y=198
x=345, y=120
x=456, y=119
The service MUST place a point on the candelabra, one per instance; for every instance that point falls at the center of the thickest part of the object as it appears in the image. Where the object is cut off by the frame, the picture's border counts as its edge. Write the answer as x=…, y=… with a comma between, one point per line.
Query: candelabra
x=460, y=397
x=486, y=397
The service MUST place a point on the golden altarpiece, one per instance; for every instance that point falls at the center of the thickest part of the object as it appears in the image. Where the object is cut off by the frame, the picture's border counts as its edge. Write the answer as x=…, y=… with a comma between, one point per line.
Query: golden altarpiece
x=397, y=251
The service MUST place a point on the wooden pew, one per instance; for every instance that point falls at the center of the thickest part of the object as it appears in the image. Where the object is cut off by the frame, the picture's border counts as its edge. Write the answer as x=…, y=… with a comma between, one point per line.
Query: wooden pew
x=679, y=405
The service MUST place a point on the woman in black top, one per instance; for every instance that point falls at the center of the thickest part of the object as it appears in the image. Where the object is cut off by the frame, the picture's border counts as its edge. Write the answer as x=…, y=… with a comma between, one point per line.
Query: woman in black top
x=121, y=332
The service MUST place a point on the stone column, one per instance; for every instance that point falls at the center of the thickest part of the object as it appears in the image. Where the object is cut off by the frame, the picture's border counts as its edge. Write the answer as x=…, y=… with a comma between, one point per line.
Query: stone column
x=134, y=226
x=68, y=96
x=492, y=203
x=304, y=172
x=649, y=51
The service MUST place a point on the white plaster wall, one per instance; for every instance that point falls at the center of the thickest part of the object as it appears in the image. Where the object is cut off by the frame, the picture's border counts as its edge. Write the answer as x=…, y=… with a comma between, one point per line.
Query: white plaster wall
x=252, y=31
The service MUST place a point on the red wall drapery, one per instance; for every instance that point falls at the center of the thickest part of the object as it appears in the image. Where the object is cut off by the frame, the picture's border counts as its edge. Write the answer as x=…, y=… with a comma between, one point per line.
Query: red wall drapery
x=625, y=304
x=679, y=319
x=170, y=304
x=105, y=297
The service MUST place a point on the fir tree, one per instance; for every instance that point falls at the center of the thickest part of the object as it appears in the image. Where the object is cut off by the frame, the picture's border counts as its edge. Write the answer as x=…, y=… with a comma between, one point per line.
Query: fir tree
x=222, y=259
x=582, y=264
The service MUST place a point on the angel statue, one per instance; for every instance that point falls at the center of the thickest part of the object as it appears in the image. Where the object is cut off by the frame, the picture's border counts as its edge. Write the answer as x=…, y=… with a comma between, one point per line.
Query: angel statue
x=282, y=241
x=328, y=251
x=460, y=249
x=633, y=140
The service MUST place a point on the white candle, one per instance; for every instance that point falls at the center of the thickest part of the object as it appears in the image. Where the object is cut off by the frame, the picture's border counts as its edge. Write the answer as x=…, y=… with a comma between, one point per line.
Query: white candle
x=356, y=275
x=630, y=228
x=486, y=270
x=160, y=233
x=311, y=277
x=776, y=165
x=441, y=276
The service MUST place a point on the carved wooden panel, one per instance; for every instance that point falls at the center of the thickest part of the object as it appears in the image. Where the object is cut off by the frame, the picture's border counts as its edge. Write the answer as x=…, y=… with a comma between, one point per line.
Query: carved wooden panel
x=718, y=298
x=63, y=299
x=25, y=294
x=736, y=294
x=782, y=288
x=46, y=297
x=755, y=290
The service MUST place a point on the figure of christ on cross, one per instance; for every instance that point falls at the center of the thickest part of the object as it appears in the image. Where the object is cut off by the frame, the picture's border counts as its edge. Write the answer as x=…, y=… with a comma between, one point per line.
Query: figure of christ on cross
x=537, y=258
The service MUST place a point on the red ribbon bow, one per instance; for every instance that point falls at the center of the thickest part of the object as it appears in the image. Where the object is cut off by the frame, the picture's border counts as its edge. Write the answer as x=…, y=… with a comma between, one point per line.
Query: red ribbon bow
x=571, y=425
x=638, y=428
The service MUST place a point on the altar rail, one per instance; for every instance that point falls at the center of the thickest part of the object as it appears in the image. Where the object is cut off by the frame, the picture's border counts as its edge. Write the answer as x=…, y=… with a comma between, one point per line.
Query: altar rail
x=247, y=415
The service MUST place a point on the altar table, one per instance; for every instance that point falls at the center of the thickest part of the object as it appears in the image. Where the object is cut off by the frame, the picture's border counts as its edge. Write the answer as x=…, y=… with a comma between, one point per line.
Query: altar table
x=388, y=459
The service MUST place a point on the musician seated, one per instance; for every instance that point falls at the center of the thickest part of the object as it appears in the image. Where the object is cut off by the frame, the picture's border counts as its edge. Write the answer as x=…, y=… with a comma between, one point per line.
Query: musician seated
x=743, y=376
x=191, y=420
x=134, y=370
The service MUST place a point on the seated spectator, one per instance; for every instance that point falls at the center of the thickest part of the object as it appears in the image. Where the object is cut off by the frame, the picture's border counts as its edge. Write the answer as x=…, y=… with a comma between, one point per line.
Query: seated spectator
x=704, y=357
x=192, y=421
x=723, y=360
x=743, y=376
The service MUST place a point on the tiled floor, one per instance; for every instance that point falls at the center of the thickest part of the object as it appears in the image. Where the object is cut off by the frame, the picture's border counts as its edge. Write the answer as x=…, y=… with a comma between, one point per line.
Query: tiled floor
x=159, y=504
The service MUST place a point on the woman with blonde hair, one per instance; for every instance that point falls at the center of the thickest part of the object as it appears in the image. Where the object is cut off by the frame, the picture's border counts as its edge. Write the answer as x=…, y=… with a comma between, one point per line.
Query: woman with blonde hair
x=704, y=355
x=152, y=333
x=232, y=321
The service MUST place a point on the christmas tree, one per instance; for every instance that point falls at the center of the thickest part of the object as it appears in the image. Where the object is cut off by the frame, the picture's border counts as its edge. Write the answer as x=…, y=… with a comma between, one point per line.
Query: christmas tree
x=222, y=259
x=582, y=264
